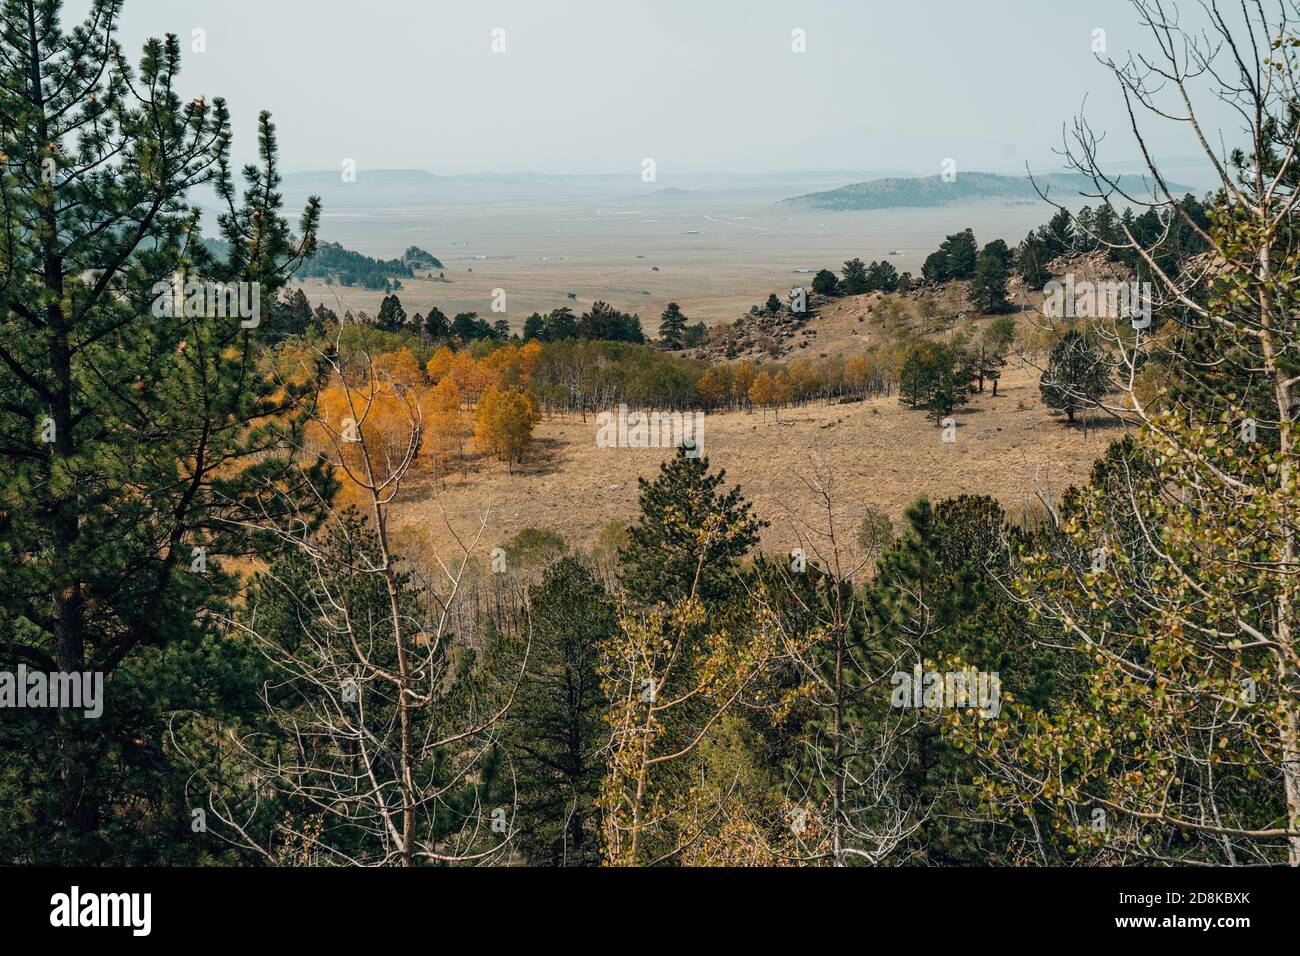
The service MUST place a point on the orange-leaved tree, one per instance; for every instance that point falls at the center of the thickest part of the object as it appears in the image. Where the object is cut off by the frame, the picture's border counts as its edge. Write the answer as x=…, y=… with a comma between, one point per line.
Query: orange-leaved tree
x=504, y=423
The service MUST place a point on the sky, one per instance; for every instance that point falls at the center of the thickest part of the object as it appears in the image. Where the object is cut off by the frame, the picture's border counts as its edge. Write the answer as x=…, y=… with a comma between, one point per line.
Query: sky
x=597, y=86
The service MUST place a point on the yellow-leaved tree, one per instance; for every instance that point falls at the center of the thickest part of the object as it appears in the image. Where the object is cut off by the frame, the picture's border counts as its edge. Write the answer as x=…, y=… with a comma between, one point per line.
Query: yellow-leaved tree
x=445, y=428
x=504, y=423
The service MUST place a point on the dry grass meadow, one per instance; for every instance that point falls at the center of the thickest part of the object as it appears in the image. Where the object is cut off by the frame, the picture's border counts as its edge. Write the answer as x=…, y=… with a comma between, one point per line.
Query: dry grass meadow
x=879, y=453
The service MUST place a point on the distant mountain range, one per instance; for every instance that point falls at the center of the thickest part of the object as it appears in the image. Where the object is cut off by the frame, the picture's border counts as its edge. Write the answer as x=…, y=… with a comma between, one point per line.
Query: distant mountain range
x=966, y=188
x=819, y=189
x=387, y=188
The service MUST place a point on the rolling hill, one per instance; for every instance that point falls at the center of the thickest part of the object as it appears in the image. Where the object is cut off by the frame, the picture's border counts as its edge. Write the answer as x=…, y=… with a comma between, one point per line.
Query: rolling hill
x=966, y=188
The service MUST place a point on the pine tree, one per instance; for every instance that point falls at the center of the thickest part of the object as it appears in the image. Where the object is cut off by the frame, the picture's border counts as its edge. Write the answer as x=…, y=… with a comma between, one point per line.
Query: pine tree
x=882, y=277
x=534, y=328
x=961, y=255
x=855, y=277
x=1058, y=234
x=292, y=316
x=1031, y=261
x=935, y=268
x=1076, y=376
x=989, y=288
x=140, y=438
x=435, y=323
x=682, y=507
x=935, y=601
x=672, y=326
x=561, y=325
x=391, y=317
x=555, y=734
x=825, y=283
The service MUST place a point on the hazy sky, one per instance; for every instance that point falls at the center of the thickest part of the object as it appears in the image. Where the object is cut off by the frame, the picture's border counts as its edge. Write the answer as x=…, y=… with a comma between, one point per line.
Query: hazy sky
x=699, y=85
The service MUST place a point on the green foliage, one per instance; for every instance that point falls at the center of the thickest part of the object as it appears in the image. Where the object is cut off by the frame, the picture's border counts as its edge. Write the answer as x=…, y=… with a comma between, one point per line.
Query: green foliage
x=936, y=601
x=468, y=327
x=436, y=325
x=333, y=263
x=960, y=255
x=391, y=317
x=672, y=327
x=166, y=433
x=603, y=321
x=554, y=733
x=854, y=281
x=935, y=268
x=1031, y=261
x=292, y=317
x=533, y=546
x=882, y=277
x=992, y=268
x=935, y=377
x=825, y=283
x=1076, y=375
x=690, y=536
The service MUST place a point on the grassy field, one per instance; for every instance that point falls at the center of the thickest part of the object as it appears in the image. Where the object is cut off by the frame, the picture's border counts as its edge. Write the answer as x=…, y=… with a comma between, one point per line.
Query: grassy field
x=880, y=454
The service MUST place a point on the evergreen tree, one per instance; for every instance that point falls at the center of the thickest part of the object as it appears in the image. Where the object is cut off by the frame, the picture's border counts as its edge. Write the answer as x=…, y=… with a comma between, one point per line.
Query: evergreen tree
x=435, y=323
x=292, y=316
x=391, y=317
x=561, y=325
x=1031, y=261
x=825, y=283
x=672, y=326
x=603, y=321
x=1076, y=375
x=882, y=277
x=1105, y=229
x=935, y=268
x=554, y=733
x=933, y=376
x=1085, y=239
x=680, y=509
x=694, y=335
x=140, y=439
x=936, y=601
x=960, y=254
x=534, y=328
x=855, y=277
x=468, y=327
x=1058, y=234
x=323, y=316
x=989, y=289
